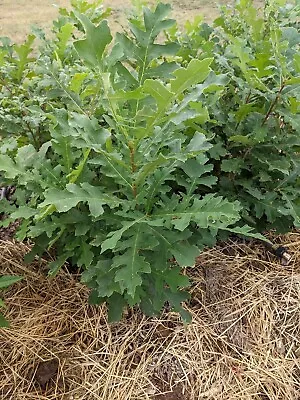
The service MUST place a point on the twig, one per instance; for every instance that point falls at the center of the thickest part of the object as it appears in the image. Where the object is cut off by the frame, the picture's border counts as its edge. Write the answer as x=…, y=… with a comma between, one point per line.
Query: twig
x=273, y=104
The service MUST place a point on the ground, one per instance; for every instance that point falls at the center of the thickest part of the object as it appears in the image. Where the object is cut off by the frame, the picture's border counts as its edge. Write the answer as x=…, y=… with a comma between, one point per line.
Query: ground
x=17, y=16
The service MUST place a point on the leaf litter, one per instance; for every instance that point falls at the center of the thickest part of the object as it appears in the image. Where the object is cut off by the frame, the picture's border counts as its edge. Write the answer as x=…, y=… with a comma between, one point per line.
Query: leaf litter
x=243, y=342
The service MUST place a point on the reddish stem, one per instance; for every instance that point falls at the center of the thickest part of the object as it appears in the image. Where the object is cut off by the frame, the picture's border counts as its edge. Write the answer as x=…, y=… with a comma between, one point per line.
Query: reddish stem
x=275, y=101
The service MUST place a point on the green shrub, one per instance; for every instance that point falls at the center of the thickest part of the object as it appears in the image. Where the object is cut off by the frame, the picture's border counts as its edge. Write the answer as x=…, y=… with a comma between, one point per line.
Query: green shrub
x=130, y=156
x=255, y=125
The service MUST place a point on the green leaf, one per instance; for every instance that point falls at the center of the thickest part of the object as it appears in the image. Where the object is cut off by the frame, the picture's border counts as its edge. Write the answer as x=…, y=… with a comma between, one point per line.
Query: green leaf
x=86, y=130
x=63, y=36
x=152, y=166
x=132, y=266
x=24, y=212
x=159, y=92
x=8, y=166
x=245, y=140
x=155, y=22
x=292, y=35
x=94, y=299
x=116, y=305
x=91, y=48
x=86, y=254
x=195, y=72
x=122, y=95
x=269, y=206
x=114, y=237
x=8, y=280
x=76, y=172
x=3, y=322
x=200, y=112
x=297, y=62
x=294, y=209
x=23, y=52
x=101, y=277
x=211, y=211
x=198, y=143
x=176, y=300
x=77, y=81
x=212, y=84
x=115, y=168
x=185, y=254
x=175, y=279
x=208, y=181
x=56, y=265
x=64, y=200
x=196, y=167
x=165, y=69
x=247, y=231
x=232, y=165
x=26, y=157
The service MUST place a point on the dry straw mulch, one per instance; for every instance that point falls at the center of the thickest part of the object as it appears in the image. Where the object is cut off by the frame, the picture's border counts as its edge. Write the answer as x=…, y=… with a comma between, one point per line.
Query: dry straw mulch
x=243, y=343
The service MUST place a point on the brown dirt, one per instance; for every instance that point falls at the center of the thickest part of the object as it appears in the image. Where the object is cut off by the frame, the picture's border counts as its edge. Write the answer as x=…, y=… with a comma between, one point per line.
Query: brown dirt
x=46, y=372
x=17, y=16
x=7, y=233
x=243, y=342
x=177, y=393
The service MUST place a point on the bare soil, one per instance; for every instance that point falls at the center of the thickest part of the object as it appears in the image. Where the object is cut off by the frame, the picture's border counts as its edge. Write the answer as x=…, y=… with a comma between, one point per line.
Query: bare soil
x=17, y=16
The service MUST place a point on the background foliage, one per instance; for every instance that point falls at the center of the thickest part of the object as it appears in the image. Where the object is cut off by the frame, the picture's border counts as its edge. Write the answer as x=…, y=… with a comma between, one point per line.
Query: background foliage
x=132, y=154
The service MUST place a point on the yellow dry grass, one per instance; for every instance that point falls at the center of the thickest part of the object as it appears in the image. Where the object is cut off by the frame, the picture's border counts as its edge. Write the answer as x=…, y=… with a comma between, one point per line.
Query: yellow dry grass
x=243, y=342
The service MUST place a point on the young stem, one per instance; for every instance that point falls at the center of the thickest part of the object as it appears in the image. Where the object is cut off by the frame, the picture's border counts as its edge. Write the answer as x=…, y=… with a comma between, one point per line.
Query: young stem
x=133, y=165
x=273, y=104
